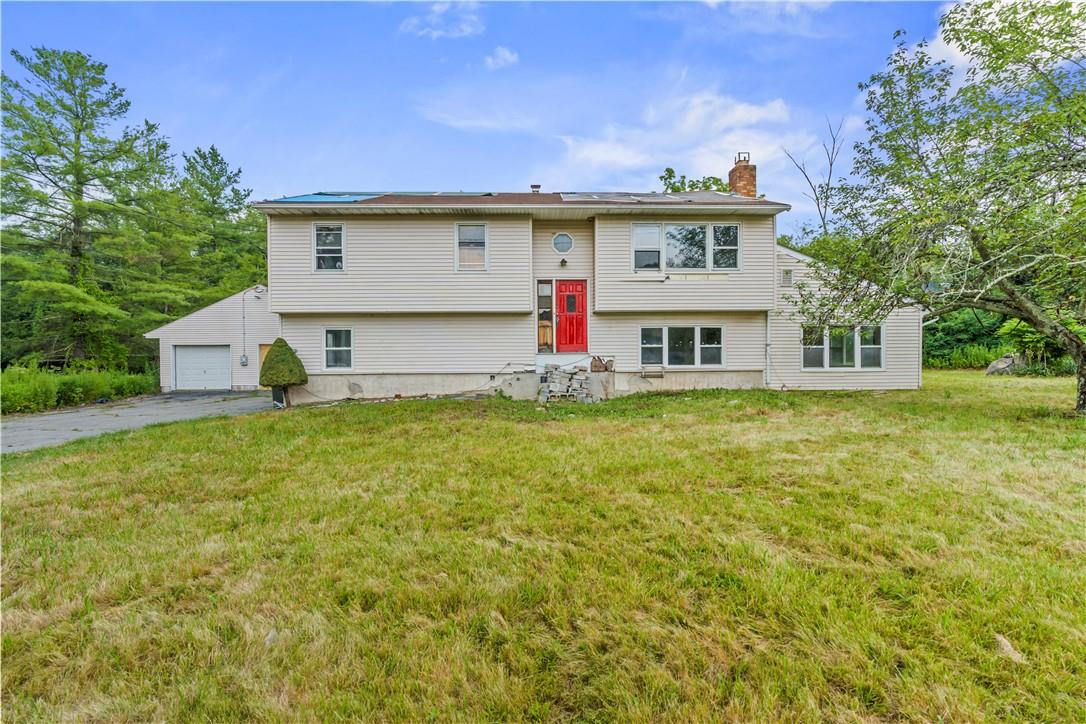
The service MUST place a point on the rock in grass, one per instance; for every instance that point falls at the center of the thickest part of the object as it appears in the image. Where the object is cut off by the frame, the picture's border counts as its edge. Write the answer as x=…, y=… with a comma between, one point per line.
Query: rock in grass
x=1008, y=650
x=271, y=638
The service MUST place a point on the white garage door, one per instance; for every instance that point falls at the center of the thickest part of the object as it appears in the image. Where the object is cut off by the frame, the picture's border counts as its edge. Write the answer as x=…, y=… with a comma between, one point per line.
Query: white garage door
x=202, y=367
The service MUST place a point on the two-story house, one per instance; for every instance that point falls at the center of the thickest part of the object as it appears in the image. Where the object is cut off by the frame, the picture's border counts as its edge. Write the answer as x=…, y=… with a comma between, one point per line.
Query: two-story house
x=385, y=294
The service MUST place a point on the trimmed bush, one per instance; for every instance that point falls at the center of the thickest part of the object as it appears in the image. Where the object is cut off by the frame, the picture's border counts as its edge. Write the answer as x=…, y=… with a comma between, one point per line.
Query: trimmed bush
x=282, y=368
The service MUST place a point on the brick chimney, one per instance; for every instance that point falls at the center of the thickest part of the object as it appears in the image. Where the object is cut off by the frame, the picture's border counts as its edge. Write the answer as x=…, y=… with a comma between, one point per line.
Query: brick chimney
x=743, y=178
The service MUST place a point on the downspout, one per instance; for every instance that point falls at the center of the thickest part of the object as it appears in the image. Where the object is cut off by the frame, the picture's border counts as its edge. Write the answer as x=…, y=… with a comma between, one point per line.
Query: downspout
x=768, y=321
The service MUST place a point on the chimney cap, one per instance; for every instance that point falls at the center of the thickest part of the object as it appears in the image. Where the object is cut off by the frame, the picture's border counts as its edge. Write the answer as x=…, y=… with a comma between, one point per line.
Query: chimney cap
x=535, y=188
x=742, y=157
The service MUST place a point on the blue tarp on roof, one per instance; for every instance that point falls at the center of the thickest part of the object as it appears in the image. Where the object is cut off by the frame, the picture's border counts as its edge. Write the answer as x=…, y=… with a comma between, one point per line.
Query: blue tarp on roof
x=329, y=197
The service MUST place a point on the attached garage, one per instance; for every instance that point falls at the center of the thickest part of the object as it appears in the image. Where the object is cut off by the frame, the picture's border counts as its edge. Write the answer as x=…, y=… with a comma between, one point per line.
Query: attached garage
x=201, y=367
x=218, y=347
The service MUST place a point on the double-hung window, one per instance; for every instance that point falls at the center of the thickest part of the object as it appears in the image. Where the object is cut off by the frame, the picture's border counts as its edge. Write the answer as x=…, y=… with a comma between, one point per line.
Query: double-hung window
x=338, y=349
x=838, y=347
x=646, y=246
x=686, y=247
x=328, y=246
x=471, y=247
x=682, y=346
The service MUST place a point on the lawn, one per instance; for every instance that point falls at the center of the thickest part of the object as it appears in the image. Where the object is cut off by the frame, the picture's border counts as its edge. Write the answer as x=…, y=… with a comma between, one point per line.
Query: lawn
x=712, y=555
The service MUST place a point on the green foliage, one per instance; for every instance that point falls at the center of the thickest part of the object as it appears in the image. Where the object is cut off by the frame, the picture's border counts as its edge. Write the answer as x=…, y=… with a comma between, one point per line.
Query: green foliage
x=1031, y=343
x=958, y=329
x=105, y=238
x=966, y=357
x=26, y=389
x=675, y=184
x=969, y=190
x=281, y=367
x=1060, y=367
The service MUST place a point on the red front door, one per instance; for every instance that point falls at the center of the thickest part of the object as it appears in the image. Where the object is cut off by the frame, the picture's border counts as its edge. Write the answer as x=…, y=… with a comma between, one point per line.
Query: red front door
x=571, y=313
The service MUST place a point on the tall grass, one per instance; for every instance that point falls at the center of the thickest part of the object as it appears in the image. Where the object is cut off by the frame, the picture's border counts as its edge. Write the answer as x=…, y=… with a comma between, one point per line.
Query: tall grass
x=24, y=389
x=702, y=556
x=969, y=356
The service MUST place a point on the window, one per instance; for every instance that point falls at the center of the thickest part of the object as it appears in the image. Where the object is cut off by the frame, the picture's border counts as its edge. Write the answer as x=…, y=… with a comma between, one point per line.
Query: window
x=471, y=247
x=652, y=346
x=871, y=346
x=685, y=346
x=337, y=349
x=685, y=247
x=786, y=277
x=328, y=247
x=836, y=347
x=711, y=343
x=725, y=246
x=562, y=243
x=814, y=347
x=646, y=246
x=842, y=347
x=545, y=316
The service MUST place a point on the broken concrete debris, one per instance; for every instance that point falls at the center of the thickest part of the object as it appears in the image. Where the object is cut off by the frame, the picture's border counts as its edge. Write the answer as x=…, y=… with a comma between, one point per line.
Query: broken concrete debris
x=564, y=384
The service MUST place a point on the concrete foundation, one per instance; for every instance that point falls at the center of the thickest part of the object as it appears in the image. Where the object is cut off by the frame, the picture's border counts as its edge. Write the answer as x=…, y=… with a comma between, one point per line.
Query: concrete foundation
x=322, y=388
x=517, y=385
x=628, y=383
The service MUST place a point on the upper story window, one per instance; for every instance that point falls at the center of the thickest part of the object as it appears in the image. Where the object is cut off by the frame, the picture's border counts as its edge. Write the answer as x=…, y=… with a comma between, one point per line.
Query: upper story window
x=471, y=247
x=328, y=246
x=686, y=247
x=837, y=347
x=562, y=242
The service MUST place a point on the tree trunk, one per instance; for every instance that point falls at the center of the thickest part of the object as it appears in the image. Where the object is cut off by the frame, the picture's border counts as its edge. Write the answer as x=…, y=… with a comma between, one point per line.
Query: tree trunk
x=1080, y=401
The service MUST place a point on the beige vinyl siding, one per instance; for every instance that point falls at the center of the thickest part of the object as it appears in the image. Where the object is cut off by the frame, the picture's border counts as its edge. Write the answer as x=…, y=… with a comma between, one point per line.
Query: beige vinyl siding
x=619, y=288
x=219, y=324
x=408, y=343
x=547, y=263
x=619, y=336
x=400, y=265
x=902, y=335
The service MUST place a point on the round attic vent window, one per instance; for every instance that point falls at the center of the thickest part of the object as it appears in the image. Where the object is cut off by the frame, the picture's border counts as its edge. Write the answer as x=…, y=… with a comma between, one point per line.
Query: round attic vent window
x=562, y=243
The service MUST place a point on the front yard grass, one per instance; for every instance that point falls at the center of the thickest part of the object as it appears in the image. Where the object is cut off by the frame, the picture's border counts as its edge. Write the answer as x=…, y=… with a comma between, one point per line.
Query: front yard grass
x=713, y=555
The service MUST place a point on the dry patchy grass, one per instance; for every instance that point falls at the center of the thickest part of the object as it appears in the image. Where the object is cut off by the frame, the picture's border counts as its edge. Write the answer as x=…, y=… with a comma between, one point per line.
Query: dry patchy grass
x=718, y=555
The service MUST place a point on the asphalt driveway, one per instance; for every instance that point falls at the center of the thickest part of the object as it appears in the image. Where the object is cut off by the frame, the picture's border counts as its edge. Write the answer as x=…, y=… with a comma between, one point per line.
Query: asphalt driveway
x=27, y=432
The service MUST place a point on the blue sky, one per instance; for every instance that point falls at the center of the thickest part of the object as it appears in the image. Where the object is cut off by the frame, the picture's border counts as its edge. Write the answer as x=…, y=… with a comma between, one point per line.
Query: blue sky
x=418, y=96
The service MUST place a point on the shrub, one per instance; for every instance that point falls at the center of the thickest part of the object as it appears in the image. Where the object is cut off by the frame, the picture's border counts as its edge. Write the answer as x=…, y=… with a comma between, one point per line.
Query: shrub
x=33, y=390
x=1062, y=366
x=962, y=328
x=281, y=367
x=27, y=390
x=970, y=356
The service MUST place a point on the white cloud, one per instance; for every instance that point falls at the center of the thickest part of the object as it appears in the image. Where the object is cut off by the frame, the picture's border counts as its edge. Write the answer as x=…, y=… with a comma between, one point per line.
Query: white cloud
x=501, y=57
x=697, y=133
x=446, y=20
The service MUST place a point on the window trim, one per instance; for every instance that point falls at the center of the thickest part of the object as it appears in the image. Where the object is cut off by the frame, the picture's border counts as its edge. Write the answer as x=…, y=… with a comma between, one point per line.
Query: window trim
x=697, y=346
x=342, y=248
x=572, y=243
x=486, y=246
x=325, y=348
x=664, y=269
x=858, y=350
